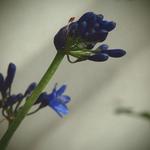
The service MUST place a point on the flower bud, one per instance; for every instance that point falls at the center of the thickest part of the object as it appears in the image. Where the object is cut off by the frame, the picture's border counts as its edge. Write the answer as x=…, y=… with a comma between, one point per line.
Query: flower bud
x=78, y=38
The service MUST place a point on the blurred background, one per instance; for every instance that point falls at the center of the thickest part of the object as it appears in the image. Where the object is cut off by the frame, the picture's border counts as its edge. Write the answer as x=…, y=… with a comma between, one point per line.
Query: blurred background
x=27, y=28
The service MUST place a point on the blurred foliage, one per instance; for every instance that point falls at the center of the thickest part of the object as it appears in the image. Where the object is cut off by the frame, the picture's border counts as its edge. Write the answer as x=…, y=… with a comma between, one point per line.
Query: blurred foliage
x=131, y=112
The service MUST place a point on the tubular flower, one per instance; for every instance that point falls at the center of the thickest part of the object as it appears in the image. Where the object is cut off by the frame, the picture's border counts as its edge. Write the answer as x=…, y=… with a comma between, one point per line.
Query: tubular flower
x=80, y=37
x=56, y=100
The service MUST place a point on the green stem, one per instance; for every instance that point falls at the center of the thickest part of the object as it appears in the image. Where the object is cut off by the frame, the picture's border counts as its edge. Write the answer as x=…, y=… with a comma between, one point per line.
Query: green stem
x=30, y=101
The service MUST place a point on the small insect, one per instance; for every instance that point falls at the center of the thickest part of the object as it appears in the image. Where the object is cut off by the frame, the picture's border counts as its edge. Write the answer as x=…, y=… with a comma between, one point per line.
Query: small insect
x=71, y=20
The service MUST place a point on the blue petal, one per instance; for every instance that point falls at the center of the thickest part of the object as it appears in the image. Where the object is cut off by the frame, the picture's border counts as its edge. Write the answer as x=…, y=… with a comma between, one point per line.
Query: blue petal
x=52, y=96
x=59, y=108
x=64, y=99
x=61, y=90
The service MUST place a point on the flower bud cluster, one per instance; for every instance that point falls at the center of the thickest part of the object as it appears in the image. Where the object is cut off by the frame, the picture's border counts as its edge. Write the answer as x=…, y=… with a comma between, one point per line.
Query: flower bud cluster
x=10, y=104
x=80, y=37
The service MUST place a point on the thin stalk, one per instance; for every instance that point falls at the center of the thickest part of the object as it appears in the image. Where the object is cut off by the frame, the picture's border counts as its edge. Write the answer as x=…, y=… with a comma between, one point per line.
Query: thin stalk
x=31, y=100
x=36, y=110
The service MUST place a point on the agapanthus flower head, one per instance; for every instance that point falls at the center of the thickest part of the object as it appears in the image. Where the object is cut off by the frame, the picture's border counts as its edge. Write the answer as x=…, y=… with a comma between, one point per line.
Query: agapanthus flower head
x=87, y=31
x=78, y=38
x=56, y=100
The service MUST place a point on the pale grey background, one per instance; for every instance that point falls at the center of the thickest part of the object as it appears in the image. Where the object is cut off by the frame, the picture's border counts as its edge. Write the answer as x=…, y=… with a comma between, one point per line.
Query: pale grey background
x=27, y=28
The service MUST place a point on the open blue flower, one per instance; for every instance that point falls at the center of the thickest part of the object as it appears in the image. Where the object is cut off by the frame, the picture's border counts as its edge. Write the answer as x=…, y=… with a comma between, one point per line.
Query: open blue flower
x=56, y=100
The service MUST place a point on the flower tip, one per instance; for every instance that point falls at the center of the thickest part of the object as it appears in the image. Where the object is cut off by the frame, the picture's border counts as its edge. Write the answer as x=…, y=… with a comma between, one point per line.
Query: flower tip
x=116, y=53
x=111, y=26
x=87, y=16
x=61, y=90
x=103, y=47
x=11, y=68
x=10, y=76
x=30, y=88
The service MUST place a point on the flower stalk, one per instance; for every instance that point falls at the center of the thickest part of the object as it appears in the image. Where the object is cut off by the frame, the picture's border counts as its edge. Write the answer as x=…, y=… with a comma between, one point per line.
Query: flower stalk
x=31, y=100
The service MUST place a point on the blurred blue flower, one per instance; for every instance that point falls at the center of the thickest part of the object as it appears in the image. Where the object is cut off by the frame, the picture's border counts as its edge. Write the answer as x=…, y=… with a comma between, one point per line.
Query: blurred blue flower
x=56, y=100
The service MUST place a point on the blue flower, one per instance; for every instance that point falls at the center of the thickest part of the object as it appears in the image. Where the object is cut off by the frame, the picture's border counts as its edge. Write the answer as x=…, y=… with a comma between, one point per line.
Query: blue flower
x=56, y=100
x=78, y=38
